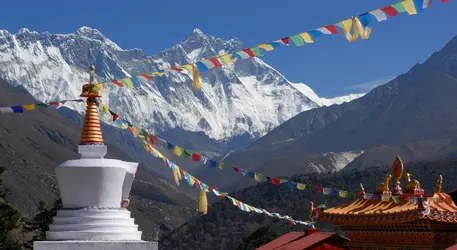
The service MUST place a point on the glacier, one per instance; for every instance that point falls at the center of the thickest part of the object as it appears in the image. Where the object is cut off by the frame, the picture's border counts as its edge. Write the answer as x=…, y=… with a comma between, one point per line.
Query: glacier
x=249, y=98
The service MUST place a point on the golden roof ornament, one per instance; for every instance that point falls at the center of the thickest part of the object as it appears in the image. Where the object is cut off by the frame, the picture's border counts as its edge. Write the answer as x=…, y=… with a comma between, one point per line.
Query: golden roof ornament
x=91, y=133
x=439, y=184
x=397, y=173
x=384, y=187
x=411, y=185
x=362, y=190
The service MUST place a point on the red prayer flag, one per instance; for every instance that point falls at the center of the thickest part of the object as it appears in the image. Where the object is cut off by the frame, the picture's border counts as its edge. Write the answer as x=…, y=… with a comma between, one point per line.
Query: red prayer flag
x=275, y=181
x=216, y=62
x=118, y=83
x=164, y=163
x=147, y=77
x=445, y=1
x=115, y=116
x=285, y=40
x=332, y=29
x=390, y=11
x=319, y=189
x=249, y=52
x=197, y=183
x=54, y=103
x=196, y=157
x=223, y=196
x=235, y=169
x=177, y=69
x=152, y=139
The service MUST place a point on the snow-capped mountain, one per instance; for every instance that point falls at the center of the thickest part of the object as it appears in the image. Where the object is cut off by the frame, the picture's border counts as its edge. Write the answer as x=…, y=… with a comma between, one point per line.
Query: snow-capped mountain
x=248, y=98
x=307, y=91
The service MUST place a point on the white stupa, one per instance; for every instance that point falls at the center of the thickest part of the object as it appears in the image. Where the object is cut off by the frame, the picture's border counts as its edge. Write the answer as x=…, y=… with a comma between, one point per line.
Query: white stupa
x=94, y=193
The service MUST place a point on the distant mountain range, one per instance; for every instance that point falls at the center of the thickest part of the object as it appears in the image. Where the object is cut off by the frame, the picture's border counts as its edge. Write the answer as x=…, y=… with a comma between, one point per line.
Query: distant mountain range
x=413, y=115
x=238, y=103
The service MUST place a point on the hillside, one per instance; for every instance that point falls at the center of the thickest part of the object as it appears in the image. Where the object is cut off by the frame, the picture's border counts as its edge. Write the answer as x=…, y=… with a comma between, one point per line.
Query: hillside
x=413, y=116
x=33, y=144
x=225, y=225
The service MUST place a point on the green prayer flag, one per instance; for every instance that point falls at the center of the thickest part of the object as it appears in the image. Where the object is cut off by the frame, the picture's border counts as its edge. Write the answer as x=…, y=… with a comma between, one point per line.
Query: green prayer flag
x=256, y=51
x=298, y=40
x=43, y=105
x=187, y=154
x=399, y=7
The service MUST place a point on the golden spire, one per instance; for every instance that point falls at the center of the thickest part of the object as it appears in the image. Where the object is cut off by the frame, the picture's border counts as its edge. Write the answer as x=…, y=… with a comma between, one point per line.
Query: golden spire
x=362, y=190
x=438, y=184
x=91, y=133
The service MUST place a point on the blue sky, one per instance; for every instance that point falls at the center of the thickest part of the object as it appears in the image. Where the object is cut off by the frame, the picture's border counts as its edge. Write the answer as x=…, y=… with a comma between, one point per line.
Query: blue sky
x=332, y=66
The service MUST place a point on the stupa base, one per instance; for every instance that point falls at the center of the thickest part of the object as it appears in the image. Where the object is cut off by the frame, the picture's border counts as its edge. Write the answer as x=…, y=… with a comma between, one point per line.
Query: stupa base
x=95, y=245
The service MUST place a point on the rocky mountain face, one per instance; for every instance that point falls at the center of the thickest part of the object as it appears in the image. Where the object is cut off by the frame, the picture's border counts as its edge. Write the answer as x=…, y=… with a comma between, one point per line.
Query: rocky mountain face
x=238, y=103
x=413, y=116
x=34, y=143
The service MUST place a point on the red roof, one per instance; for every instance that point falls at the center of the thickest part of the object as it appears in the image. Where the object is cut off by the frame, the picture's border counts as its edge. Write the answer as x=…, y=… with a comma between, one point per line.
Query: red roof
x=298, y=241
x=286, y=238
x=453, y=247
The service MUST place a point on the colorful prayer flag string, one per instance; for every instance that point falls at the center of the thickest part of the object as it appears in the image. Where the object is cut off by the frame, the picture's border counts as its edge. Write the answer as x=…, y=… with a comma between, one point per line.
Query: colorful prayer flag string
x=359, y=23
x=179, y=173
x=29, y=107
x=149, y=140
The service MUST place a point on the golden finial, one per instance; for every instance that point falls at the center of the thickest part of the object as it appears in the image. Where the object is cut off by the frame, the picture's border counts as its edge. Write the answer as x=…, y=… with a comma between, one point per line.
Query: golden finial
x=411, y=185
x=386, y=182
x=397, y=171
x=91, y=133
x=439, y=184
x=362, y=190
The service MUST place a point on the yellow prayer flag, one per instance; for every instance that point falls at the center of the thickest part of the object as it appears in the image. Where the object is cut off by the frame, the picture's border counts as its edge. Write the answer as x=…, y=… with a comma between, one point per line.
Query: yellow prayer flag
x=104, y=108
x=29, y=106
x=363, y=32
x=221, y=166
x=98, y=87
x=128, y=82
x=409, y=6
x=258, y=177
x=175, y=176
x=188, y=67
x=191, y=180
x=178, y=151
x=196, y=84
x=136, y=131
x=227, y=59
x=233, y=201
x=203, y=205
x=346, y=26
x=306, y=37
x=266, y=47
x=301, y=186
x=342, y=193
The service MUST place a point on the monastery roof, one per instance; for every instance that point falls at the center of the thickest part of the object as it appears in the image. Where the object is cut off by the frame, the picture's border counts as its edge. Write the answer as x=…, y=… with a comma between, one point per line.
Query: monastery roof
x=386, y=207
x=441, y=208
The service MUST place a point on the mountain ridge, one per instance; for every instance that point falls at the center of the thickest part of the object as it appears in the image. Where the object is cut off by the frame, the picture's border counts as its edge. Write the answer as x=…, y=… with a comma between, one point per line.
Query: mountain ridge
x=40, y=60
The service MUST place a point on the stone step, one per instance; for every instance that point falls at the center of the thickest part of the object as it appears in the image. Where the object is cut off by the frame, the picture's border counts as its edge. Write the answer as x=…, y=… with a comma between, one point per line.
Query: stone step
x=95, y=212
x=111, y=227
x=93, y=235
x=93, y=220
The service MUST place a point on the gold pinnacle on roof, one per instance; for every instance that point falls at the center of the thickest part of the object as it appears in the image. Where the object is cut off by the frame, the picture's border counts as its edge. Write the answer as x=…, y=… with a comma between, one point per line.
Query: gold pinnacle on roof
x=91, y=133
